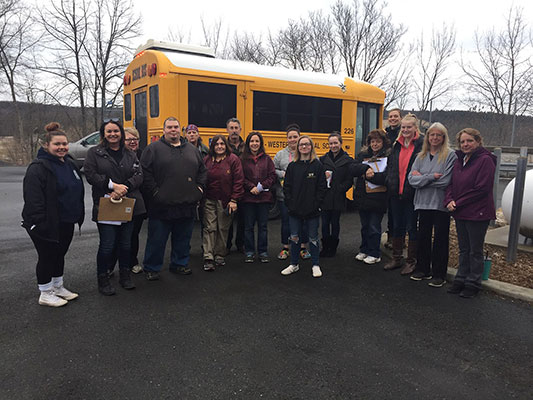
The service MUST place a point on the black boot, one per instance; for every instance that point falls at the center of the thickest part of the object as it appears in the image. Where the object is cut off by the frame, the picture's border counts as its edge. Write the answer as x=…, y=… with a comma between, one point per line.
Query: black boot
x=104, y=286
x=334, y=243
x=326, y=243
x=125, y=279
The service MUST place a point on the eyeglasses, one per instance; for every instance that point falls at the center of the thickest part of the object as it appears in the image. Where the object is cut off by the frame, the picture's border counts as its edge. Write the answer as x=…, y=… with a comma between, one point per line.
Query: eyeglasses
x=115, y=120
x=131, y=140
x=304, y=144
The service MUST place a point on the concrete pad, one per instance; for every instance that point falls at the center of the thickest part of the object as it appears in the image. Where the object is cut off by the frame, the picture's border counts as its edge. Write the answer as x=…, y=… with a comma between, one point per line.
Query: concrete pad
x=500, y=237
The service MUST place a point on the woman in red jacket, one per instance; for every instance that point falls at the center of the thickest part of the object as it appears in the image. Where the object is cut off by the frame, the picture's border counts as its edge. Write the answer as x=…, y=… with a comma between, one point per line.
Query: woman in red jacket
x=469, y=198
x=223, y=190
x=259, y=176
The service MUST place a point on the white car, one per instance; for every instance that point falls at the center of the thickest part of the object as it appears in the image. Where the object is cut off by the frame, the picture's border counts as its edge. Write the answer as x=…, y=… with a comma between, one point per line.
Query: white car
x=78, y=150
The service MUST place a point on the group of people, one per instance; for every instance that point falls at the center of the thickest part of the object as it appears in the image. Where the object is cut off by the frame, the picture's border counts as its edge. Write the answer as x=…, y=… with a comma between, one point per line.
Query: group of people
x=231, y=184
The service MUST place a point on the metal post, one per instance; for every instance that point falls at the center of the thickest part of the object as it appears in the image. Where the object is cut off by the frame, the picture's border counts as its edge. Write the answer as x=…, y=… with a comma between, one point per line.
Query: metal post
x=498, y=153
x=514, y=125
x=516, y=209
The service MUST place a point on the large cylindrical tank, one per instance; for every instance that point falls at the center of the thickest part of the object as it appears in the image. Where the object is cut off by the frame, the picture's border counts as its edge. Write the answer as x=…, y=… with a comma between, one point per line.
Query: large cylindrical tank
x=526, y=221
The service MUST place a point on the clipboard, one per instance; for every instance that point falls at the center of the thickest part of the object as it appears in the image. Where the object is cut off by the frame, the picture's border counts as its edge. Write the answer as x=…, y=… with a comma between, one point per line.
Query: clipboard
x=377, y=165
x=113, y=211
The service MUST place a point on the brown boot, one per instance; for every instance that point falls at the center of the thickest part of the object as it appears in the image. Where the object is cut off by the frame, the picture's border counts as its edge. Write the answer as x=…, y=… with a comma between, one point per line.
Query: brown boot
x=410, y=262
x=388, y=243
x=397, y=254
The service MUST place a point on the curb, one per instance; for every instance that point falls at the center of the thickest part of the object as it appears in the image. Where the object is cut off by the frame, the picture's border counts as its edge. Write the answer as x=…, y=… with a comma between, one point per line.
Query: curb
x=501, y=288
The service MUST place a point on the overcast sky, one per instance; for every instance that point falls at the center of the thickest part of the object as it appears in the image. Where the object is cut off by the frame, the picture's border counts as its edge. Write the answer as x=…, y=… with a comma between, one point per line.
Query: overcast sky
x=259, y=16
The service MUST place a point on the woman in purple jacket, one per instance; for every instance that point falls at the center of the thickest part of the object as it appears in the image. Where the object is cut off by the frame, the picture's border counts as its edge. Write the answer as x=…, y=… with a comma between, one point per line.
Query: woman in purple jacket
x=259, y=177
x=223, y=190
x=469, y=198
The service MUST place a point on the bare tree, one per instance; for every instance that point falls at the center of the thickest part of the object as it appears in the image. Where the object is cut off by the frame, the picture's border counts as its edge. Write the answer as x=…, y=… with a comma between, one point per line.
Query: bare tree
x=365, y=37
x=396, y=82
x=246, y=47
x=115, y=25
x=323, y=55
x=66, y=26
x=177, y=34
x=16, y=39
x=433, y=58
x=294, y=41
x=216, y=37
x=502, y=76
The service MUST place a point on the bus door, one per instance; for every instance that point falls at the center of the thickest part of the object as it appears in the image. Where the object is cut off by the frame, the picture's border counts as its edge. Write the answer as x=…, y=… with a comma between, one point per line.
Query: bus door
x=140, y=122
x=210, y=103
x=367, y=120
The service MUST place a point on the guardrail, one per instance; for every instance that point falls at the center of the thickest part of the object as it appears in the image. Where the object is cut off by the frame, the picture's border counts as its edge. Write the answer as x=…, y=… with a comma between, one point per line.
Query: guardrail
x=508, y=170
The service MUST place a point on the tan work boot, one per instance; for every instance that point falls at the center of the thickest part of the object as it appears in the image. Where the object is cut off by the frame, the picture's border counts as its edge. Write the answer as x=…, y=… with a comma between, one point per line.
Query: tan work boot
x=410, y=262
x=397, y=254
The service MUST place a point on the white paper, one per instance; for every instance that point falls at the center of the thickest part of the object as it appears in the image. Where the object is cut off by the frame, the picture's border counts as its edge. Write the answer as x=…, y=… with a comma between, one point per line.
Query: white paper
x=377, y=165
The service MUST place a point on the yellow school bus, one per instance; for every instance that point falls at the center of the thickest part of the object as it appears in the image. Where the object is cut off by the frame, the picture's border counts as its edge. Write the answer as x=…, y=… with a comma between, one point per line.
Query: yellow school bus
x=188, y=83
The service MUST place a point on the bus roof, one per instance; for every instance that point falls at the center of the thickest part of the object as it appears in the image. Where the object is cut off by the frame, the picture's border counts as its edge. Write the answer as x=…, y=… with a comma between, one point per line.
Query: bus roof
x=255, y=70
x=185, y=48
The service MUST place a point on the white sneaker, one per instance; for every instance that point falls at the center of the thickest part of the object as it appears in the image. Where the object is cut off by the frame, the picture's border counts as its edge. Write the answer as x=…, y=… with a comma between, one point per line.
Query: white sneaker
x=137, y=269
x=360, y=256
x=290, y=269
x=64, y=293
x=371, y=260
x=317, y=273
x=48, y=298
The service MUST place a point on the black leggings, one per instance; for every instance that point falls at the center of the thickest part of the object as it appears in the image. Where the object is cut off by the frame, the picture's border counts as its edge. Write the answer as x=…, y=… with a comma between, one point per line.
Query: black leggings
x=51, y=262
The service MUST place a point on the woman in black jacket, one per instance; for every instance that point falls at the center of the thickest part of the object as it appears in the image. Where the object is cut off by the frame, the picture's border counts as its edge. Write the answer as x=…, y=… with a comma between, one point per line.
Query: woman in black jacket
x=53, y=203
x=337, y=164
x=304, y=189
x=113, y=170
x=370, y=195
x=401, y=193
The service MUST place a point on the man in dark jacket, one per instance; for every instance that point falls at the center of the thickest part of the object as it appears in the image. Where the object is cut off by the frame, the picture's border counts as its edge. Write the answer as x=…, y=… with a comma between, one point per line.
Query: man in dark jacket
x=393, y=130
x=236, y=144
x=174, y=180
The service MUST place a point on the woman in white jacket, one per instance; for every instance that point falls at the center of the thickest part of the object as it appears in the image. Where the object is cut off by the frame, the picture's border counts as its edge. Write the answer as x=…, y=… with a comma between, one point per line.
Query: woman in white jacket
x=430, y=175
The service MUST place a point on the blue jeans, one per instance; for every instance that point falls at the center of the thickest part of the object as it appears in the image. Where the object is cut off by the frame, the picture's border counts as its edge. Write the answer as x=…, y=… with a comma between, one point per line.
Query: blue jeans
x=114, y=237
x=331, y=219
x=255, y=212
x=404, y=218
x=158, y=231
x=285, y=231
x=370, y=232
x=297, y=226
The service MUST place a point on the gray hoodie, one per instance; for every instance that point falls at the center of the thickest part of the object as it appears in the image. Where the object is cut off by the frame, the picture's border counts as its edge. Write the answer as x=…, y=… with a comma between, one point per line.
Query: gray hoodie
x=430, y=192
x=282, y=159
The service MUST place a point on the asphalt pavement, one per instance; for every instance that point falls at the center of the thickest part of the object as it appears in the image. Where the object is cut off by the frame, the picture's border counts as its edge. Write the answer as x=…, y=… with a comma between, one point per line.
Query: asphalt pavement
x=247, y=332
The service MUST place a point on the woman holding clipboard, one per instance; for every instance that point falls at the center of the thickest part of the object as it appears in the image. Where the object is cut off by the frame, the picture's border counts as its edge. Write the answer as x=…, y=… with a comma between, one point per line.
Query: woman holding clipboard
x=371, y=194
x=113, y=171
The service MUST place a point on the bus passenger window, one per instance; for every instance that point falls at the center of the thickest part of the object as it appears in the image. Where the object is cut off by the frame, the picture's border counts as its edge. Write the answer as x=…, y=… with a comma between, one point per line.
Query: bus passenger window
x=274, y=111
x=127, y=107
x=154, y=101
x=211, y=104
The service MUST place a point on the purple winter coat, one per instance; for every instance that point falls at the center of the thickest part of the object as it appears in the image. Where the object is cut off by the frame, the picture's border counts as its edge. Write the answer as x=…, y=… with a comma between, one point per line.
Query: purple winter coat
x=258, y=169
x=471, y=186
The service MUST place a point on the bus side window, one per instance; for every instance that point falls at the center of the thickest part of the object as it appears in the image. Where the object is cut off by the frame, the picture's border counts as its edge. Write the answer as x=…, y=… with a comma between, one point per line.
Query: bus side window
x=154, y=101
x=127, y=107
x=274, y=111
x=211, y=104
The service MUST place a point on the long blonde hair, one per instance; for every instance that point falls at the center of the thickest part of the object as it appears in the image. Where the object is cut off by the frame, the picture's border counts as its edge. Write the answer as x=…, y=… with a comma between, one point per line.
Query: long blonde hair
x=409, y=118
x=297, y=155
x=445, y=147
